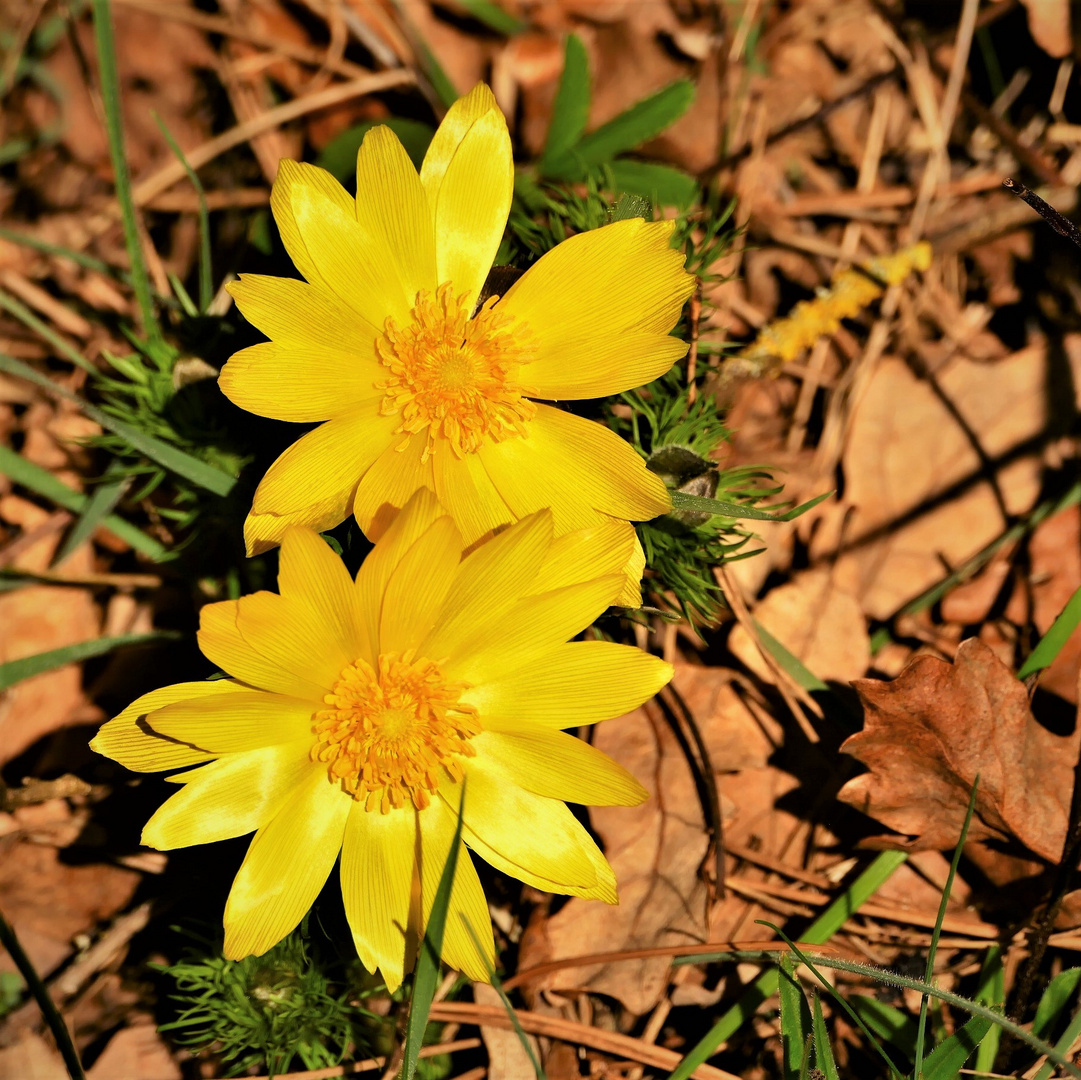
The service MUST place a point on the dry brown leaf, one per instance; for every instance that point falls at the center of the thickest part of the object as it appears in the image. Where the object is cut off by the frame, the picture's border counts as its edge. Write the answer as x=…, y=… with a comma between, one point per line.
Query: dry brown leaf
x=507, y=1058
x=817, y=622
x=929, y=732
x=31, y=1058
x=1049, y=25
x=914, y=494
x=135, y=1053
x=656, y=850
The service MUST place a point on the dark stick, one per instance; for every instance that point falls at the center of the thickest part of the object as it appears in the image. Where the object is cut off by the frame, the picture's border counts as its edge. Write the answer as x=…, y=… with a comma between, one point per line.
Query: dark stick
x=51, y=1013
x=1062, y=225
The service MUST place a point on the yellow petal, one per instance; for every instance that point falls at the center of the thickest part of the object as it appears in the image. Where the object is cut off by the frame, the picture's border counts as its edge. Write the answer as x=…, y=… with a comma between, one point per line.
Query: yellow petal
x=378, y=867
x=531, y=628
x=293, y=312
x=288, y=862
x=461, y=116
x=224, y=645
x=393, y=207
x=581, y=682
x=631, y=594
x=471, y=205
x=468, y=945
x=314, y=481
x=231, y=797
x=390, y=483
x=293, y=638
x=311, y=576
x=371, y=584
x=299, y=383
x=234, y=723
x=466, y=490
x=559, y=766
x=294, y=176
x=417, y=588
x=534, y=839
x=584, y=554
x=130, y=741
x=583, y=463
x=487, y=585
x=352, y=262
x=600, y=306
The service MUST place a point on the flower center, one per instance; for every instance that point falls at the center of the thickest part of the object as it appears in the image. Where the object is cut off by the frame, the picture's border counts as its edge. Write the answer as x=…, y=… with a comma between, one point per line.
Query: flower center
x=453, y=374
x=389, y=735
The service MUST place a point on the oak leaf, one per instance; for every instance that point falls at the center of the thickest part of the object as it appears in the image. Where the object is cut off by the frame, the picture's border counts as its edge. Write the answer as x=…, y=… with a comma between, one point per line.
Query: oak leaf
x=929, y=732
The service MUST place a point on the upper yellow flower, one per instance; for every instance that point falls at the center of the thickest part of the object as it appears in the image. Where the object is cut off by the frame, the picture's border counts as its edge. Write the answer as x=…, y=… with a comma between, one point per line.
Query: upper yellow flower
x=420, y=386
x=355, y=711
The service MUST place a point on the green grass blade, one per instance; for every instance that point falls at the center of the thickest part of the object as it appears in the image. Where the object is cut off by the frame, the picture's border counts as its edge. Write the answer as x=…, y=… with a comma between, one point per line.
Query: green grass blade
x=494, y=17
x=570, y=111
x=991, y=991
x=886, y=1022
x=88, y=262
x=99, y=506
x=1052, y=642
x=21, y=312
x=795, y=1020
x=948, y=1058
x=15, y=671
x=765, y=986
x=682, y=501
x=110, y=97
x=42, y=482
x=426, y=979
x=1055, y=1000
x=169, y=457
x=929, y=971
x=824, y=1059
x=789, y=663
x=1062, y=1047
x=641, y=122
x=206, y=280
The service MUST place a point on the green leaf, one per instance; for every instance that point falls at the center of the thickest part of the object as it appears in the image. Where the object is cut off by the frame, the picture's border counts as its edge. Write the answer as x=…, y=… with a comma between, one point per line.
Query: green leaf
x=661, y=184
x=15, y=671
x=948, y=1058
x=795, y=1020
x=42, y=482
x=823, y=1051
x=896, y=1027
x=100, y=505
x=682, y=501
x=1052, y=642
x=640, y=123
x=1063, y=1046
x=571, y=108
x=494, y=17
x=169, y=457
x=339, y=156
x=426, y=979
x=1056, y=999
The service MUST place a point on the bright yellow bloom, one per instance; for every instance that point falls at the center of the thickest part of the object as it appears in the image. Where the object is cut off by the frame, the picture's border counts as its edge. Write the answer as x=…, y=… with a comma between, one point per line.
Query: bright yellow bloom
x=355, y=711
x=421, y=387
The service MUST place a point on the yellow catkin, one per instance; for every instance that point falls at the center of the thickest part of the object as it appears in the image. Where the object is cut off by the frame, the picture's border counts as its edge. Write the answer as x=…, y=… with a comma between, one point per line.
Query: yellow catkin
x=783, y=340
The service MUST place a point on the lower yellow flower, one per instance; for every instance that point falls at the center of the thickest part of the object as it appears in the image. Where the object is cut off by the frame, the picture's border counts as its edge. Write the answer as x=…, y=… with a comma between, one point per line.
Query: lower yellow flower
x=418, y=380
x=356, y=710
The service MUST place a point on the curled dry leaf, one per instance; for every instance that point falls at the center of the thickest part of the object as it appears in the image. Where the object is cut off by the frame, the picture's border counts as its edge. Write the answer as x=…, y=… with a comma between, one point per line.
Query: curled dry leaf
x=1049, y=25
x=929, y=732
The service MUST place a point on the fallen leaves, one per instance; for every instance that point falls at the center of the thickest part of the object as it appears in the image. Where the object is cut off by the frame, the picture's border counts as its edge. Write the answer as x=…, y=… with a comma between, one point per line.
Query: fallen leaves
x=931, y=731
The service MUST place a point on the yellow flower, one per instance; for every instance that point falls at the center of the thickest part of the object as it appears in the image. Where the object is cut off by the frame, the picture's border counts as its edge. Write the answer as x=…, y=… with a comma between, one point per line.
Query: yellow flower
x=421, y=387
x=355, y=711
